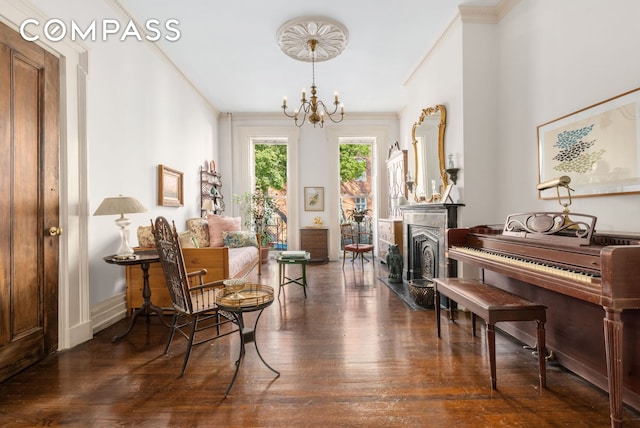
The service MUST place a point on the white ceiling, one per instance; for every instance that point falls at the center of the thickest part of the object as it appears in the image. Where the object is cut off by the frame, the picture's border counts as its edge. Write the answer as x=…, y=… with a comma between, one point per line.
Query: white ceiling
x=229, y=51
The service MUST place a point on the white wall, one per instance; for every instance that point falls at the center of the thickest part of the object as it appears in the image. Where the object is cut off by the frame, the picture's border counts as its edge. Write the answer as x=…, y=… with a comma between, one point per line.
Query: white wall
x=141, y=114
x=556, y=58
x=499, y=81
x=480, y=115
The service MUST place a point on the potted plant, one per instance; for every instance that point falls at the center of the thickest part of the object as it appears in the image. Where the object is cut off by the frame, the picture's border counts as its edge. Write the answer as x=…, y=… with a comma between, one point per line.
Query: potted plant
x=257, y=208
x=357, y=215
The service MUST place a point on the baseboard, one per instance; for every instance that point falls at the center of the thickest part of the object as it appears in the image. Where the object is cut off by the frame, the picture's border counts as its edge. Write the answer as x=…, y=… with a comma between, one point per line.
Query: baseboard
x=80, y=333
x=108, y=312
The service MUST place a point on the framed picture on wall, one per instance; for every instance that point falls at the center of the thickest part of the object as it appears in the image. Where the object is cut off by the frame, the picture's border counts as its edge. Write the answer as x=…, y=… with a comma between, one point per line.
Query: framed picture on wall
x=170, y=187
x=447, y=194
x=314, y=198
x=597, y=147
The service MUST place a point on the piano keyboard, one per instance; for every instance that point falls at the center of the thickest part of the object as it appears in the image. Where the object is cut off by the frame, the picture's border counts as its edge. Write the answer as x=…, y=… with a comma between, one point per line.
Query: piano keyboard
x=581, y=277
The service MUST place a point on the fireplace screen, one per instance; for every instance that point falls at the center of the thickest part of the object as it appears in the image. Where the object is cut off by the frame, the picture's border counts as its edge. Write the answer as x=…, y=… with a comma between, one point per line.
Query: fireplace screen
x=424, y=252
x=424, y=227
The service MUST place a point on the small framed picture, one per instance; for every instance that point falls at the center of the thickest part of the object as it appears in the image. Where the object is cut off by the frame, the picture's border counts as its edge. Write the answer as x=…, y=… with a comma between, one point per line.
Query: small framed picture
x=314, y=198
x=447, y=194
x=170, y=187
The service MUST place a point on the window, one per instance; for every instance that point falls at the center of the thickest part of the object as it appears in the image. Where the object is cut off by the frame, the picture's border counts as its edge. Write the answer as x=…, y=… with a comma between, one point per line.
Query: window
x=356, y=178
x=270, y=176
x=361, y=204
x=363, y=176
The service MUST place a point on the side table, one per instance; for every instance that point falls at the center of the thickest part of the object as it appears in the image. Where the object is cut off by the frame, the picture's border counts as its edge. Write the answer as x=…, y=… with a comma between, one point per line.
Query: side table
x=143, y=259
x=253, y=297
x=283, y=279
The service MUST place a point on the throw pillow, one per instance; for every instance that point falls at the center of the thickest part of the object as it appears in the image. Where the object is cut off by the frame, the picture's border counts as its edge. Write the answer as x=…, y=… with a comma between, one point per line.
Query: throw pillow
x=145, y=237
x=199, y=228
x=240, y=238
x=187, y=240
x=219, y=224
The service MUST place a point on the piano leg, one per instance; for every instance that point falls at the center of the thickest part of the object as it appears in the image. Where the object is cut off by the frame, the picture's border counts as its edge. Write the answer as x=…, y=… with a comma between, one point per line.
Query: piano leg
x=437, y=305
x=542, y=361
x=473, y=324
x=491, y=343
x=613, y=327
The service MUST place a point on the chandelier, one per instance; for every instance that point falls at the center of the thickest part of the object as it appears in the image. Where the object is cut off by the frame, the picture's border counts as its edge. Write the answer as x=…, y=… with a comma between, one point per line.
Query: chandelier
x=314, y=39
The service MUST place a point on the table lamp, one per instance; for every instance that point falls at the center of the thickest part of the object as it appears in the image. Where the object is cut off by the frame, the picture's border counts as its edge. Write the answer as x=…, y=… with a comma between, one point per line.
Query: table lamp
x=121, y=205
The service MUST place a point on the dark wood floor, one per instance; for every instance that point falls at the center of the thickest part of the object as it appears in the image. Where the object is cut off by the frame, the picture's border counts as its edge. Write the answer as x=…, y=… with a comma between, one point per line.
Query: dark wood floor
x=351, y=354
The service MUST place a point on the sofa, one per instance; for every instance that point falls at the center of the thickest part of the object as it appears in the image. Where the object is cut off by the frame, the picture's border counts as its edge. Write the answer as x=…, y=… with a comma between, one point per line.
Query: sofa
x=216, y=244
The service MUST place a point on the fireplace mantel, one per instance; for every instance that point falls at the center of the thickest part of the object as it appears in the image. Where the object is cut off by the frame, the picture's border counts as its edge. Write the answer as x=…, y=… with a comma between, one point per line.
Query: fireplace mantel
x=425, y=224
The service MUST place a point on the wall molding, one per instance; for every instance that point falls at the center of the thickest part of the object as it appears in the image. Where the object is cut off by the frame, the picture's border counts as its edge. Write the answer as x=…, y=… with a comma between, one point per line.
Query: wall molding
x=271, y=116
x=108, y=312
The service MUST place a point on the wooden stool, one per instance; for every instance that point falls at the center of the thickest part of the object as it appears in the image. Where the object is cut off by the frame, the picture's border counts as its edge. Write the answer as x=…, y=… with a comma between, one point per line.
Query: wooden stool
x=493, y=305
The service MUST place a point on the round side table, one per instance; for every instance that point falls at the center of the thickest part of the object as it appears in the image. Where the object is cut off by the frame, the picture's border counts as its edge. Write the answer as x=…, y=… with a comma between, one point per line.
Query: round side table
x=144, y=259
x=254, y=297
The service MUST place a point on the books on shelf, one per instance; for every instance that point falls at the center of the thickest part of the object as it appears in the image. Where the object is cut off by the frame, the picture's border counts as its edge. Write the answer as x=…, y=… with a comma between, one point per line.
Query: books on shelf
x=293, y=254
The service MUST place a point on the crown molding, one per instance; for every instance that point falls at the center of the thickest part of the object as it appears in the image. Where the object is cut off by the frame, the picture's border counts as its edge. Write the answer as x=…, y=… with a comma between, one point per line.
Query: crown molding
x=16, y=11
x=468, y=14
x=273, y=116
x=486, y=14
x=505, y=6
x=454, y=22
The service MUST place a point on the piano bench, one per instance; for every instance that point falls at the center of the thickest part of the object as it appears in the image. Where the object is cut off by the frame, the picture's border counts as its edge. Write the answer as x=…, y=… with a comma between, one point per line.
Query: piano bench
x=493, y=305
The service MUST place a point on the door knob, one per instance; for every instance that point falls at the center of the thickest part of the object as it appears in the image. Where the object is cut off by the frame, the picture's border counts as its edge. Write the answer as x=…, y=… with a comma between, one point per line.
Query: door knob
x=55, y=231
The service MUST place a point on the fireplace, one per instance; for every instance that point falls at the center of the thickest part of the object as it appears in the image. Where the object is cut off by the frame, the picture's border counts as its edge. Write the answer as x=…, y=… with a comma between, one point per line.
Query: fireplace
x=423, y=230
x=425, y=243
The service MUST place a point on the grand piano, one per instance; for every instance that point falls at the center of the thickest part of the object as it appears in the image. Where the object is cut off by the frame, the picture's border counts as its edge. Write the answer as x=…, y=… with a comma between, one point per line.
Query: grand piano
x=585, y=278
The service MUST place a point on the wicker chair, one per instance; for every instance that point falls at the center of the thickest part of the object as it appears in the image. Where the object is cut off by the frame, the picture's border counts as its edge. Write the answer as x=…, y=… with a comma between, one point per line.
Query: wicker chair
x=193, y=301
x=355, y=241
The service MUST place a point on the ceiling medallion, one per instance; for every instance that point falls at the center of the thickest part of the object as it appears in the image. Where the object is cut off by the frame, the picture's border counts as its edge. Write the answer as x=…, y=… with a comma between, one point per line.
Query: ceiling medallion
x=330, y=35
x=313, y=39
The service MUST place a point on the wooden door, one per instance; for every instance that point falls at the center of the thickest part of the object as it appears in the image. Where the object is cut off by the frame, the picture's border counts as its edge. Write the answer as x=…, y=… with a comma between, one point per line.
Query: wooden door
x=29, y=138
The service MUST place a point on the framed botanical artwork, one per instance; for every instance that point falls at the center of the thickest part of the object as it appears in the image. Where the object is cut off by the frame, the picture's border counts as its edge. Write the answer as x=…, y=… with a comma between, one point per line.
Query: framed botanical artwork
x=314, y=198
x=597, y=147
x=170, y=187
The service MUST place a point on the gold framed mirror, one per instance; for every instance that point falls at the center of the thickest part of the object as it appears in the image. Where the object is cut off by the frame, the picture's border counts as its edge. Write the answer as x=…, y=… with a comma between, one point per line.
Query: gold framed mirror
x=427, y=135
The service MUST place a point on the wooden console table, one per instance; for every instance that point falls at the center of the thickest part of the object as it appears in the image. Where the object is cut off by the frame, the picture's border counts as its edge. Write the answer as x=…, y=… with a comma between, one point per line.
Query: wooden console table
x=315, y=241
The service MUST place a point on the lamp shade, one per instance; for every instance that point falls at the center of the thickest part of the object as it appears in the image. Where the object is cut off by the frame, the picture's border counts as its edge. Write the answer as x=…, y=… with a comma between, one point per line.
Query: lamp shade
x=120, y=205
x=207, y=205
